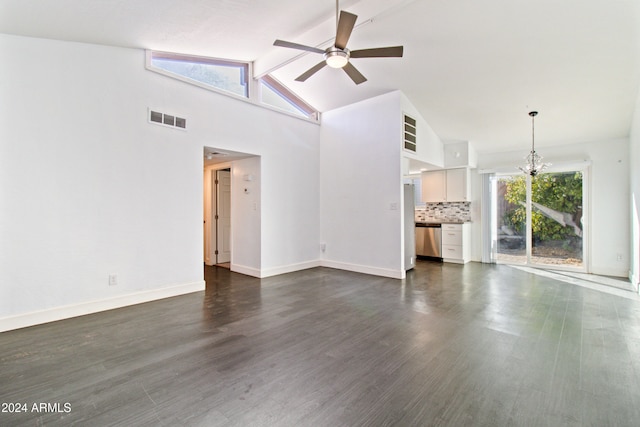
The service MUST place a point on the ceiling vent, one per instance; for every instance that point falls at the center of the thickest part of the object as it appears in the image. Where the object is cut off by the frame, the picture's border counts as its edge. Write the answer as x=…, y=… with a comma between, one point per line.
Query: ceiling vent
x=167, y=119
x=410, y=134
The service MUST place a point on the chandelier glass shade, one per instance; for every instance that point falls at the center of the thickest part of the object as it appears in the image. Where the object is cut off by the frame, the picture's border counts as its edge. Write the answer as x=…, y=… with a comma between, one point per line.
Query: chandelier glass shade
x=534, y=164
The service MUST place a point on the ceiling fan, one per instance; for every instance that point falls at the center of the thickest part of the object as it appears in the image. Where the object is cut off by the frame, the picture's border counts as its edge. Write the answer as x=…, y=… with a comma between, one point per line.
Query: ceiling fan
x=337, y=56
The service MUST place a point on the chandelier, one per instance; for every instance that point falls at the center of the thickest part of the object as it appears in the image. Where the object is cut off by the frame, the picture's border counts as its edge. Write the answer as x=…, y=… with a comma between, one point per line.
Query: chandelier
x=534, y=161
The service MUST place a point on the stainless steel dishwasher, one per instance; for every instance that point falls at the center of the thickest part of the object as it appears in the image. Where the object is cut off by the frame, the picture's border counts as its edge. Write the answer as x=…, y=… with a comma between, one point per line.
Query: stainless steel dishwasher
x=429, y=239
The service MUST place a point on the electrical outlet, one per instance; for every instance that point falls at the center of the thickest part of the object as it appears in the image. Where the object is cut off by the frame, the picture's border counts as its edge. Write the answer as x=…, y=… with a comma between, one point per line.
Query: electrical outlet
x=113, y=279
x=619, y=257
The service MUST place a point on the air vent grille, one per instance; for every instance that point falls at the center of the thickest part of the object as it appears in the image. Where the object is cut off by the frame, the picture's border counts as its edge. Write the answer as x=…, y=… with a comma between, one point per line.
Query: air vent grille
x=167, y=119
x=410, y=134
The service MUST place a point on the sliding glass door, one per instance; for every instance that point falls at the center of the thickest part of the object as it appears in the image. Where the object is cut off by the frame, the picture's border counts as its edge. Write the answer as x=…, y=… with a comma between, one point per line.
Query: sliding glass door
x=510, y=237
x=539, y=220
x=556, y=215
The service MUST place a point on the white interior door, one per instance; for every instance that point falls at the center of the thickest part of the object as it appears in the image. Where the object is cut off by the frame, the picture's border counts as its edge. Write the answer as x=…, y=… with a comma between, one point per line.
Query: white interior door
x=223, y=216
x=207, y=218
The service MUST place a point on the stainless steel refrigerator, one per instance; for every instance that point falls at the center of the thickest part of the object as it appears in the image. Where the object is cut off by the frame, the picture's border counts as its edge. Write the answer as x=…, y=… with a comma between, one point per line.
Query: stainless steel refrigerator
x=409, y=227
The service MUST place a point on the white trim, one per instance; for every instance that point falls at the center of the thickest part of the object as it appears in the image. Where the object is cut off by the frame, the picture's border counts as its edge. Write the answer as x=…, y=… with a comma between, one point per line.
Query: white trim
x=288, y=96
x=587, y=225
x=635, y=281
x=243, y=269
x=604, y=271
x=65, y=312
x=487, y=219
x=274, y=271
x=375, y=271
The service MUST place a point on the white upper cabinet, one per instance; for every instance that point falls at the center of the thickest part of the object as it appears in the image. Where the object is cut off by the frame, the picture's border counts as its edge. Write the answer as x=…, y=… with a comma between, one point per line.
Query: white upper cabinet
x=457, y=185
x=434, y=186
x=450, y=185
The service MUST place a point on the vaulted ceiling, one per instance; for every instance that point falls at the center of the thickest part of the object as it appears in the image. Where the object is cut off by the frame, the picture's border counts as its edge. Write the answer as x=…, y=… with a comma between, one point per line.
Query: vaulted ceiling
x=474, y=69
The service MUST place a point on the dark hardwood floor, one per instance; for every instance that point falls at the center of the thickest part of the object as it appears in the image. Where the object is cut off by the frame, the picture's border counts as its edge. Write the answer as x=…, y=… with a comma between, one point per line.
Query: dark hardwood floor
x=473, y=345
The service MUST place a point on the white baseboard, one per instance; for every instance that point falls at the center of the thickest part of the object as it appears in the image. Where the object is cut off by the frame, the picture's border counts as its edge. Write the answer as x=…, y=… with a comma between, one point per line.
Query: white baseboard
x=635, y=280
x=607, y=271
x=243, y=269
x=65, y=312
x=268, y=272
x=375, y=271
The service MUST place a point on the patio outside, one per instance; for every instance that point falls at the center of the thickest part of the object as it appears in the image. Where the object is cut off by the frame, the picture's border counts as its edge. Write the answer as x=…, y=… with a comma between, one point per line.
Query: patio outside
x=556, y=219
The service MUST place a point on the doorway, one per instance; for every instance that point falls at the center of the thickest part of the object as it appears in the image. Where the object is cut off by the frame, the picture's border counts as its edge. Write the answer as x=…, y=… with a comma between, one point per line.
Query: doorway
x=222, y=215
x=231, y=210
x=540, y=221
x=217, y=215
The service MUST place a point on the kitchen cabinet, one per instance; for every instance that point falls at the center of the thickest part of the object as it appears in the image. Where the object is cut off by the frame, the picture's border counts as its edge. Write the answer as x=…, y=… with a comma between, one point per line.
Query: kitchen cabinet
x=446, y=185
x=434, y=186
x=457, y=185
x=456, y=246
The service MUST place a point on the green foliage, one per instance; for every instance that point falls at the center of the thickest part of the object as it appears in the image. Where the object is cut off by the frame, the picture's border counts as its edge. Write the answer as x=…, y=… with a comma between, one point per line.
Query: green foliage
x=561, y=192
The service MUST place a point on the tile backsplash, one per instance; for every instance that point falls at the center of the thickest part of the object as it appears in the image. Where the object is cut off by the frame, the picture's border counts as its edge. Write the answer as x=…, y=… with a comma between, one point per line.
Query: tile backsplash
x=445, y=211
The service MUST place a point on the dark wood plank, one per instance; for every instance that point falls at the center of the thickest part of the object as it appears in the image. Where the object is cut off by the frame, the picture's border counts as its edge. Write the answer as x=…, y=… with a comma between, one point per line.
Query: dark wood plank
x=451, y=345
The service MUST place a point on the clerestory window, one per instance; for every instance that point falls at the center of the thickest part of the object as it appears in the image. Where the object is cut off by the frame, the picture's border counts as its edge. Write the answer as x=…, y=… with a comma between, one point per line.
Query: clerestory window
x=219, y=74
x=275, y=94
x=230, y=78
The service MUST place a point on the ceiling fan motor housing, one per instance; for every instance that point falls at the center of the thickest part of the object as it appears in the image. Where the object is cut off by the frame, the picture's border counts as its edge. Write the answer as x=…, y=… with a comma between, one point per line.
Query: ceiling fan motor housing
x=336, y=57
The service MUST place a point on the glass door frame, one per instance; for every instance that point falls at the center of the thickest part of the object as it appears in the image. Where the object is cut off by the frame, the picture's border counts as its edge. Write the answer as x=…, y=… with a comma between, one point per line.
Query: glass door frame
x=584, y=168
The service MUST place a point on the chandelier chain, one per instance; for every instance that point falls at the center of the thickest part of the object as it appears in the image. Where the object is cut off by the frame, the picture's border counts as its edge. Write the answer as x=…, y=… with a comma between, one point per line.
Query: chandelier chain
x=534, y=163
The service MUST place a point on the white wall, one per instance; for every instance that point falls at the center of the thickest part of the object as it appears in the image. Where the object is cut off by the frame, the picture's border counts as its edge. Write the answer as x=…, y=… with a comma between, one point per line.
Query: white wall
x=246, y=240
x=475, y=181
x=634, y=199
x=288, y=148
x=429, y=146
x=459, y=154
x=609, y=196
x=89, y=188
x=361, y=179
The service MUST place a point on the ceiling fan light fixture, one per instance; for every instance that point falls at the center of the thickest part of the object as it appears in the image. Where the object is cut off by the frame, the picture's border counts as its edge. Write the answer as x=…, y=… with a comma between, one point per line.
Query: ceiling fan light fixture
x=336, y=58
